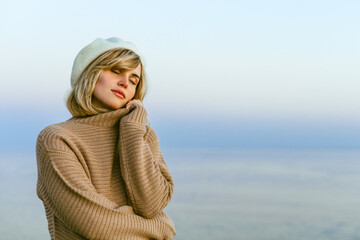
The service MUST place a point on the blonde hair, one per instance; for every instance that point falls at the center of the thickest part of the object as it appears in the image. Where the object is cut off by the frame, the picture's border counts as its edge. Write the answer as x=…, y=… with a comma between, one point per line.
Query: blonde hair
x=79, y=99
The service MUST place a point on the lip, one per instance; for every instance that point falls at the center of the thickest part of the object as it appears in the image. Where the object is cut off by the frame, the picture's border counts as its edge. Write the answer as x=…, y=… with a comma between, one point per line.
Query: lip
x=118, y=93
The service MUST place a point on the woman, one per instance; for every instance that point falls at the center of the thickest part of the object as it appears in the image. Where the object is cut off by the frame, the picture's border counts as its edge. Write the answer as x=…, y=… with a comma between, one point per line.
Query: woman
x=101, y=174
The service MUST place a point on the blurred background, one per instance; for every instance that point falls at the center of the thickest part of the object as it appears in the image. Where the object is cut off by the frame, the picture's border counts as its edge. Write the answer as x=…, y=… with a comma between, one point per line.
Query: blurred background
x=256, y=105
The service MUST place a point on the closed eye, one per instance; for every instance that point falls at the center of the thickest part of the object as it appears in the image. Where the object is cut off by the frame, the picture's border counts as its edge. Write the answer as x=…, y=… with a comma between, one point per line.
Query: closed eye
x=133, y=81
x=115, y=71
x=135, y=78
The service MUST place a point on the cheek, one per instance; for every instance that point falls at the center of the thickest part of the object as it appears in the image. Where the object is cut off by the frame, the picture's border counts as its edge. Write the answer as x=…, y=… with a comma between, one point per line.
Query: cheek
x=97, y=89
x=101, y=83
x=132, y=93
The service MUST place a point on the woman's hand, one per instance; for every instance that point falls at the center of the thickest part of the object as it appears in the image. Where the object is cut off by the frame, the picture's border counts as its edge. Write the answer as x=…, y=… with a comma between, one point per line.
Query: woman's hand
x=136, y=112
x=134, y=102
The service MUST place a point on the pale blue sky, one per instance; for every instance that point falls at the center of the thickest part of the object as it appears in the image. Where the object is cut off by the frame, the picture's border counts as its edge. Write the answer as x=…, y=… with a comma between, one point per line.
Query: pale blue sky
x=293, y=62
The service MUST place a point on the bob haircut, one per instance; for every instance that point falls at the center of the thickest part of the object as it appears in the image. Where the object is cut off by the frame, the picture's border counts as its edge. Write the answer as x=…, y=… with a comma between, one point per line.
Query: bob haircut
x=79, y=100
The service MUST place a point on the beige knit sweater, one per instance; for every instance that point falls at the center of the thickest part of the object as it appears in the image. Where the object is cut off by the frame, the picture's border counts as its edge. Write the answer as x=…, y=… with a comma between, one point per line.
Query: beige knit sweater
x=104, y=177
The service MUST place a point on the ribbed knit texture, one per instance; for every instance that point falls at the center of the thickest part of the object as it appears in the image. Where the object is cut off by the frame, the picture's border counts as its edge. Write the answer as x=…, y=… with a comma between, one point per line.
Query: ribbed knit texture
x=104, y=177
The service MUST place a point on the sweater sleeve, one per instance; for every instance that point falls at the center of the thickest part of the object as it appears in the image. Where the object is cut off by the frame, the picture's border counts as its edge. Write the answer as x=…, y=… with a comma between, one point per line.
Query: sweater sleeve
x=66, y=188
x=147, y=178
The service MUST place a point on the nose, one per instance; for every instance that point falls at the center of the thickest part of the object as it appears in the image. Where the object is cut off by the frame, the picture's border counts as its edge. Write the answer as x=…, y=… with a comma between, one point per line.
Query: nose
x=123, y=81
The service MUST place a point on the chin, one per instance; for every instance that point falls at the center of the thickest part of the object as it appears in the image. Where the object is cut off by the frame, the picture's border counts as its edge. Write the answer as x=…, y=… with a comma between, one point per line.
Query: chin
x=113, y=106
x=116, y=105
x=120, y=106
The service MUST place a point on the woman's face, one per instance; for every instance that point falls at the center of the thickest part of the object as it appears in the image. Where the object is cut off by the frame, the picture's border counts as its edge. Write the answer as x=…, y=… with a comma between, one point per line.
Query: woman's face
x=114, y=88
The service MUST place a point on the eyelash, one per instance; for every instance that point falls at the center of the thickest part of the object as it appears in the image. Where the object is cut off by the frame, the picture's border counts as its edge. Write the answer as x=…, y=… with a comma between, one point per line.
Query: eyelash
x=118, y=72
x=115, y=71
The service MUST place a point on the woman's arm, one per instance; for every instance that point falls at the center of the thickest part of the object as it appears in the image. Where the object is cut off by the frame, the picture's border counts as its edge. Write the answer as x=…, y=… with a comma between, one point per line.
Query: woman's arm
x=148, y=180
x=66, y=189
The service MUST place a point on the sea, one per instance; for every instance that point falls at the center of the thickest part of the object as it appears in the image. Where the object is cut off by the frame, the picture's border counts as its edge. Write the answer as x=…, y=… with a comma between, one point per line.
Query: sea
x=242, y=194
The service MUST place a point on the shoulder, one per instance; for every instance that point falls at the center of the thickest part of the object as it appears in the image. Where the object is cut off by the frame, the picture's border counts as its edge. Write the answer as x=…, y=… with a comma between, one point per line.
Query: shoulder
x=54, y=136
x=53, y=146
x=54, y=130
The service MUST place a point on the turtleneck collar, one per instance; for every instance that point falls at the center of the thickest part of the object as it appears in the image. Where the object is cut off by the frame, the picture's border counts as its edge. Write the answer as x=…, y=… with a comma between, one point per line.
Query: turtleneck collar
x=107, y=119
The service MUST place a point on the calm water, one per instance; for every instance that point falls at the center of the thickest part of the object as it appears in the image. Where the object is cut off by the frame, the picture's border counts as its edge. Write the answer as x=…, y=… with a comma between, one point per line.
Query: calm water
x=224, y=194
